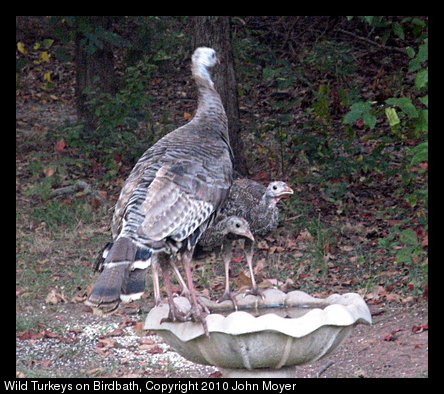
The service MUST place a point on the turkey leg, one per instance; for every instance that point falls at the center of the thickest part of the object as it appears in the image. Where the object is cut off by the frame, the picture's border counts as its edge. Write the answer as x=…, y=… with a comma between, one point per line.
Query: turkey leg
x=249, y=250
x=226, y=255
x=198, y=310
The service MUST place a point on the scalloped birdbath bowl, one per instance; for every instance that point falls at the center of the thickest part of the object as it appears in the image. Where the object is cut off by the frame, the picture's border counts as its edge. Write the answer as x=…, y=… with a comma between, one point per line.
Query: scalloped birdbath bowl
x=265, y=337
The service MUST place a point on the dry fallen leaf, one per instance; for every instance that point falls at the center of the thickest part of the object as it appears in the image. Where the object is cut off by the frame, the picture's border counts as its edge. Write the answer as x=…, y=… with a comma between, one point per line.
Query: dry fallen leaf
x=243, y=280
x=153, y=349
x=291, y=244
x=60, y=146
x=115, y=333
x=49, y=171
x=262, y=245
x=138, y=327
x=146, y=341
x=346, y=248
x=55, y=298
x=419, y=329
x=393, y=297
x=304, y=236
x=392, y=336
x=259, y=266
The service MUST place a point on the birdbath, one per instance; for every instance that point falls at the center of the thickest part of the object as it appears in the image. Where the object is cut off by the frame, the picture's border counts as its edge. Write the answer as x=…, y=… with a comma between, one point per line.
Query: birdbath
x=266, y=337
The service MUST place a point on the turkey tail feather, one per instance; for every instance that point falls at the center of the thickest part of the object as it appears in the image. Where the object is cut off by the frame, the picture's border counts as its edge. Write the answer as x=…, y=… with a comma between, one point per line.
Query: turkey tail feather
x=101, y=257
x=105, y=294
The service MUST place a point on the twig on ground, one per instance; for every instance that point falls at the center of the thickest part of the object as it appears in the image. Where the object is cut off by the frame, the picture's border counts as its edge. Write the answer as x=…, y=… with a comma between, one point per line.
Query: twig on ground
x=382, y=46
x=292, y=218
x=324, y=368
x=76, y=187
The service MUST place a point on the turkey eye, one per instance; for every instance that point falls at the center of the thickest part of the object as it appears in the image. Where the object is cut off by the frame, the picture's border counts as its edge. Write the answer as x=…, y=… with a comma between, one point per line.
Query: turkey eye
x=274, y=187
x=213, y=55
x=237, y=225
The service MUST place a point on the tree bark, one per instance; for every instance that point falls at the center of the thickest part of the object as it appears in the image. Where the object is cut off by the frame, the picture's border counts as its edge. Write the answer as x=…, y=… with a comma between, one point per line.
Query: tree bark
x=94, y=71
x=214, y=32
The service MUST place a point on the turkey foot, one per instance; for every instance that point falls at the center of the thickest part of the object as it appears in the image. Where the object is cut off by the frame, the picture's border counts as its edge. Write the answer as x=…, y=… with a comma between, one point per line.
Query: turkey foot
x=174, y=314
x=228, y=296
x=256, y=292
x=198, y=314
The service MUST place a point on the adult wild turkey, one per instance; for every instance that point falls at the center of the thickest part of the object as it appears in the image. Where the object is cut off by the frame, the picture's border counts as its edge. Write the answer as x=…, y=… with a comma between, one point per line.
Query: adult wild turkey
x=172, y=195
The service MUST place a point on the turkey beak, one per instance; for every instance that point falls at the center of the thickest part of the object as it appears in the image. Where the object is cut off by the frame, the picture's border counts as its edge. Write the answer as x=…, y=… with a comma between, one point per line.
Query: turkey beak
x=249, y=235
x=217, y=61
x=288, y=191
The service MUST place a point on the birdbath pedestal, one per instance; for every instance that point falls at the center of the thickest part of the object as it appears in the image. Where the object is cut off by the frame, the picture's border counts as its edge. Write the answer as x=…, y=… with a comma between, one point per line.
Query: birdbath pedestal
x=265, y=338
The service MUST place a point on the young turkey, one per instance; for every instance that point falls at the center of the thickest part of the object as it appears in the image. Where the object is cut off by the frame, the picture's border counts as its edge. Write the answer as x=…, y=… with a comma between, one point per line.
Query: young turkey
x=255, y=203
x=228, y=230
x=171, y=196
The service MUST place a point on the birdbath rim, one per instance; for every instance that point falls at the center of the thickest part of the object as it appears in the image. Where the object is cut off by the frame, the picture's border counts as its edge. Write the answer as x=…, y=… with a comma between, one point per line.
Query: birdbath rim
x=336, y=310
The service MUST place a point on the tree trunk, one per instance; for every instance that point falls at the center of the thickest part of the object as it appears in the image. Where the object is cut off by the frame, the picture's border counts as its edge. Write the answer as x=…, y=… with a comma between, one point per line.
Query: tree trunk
x=214, y=32
x=94, y=71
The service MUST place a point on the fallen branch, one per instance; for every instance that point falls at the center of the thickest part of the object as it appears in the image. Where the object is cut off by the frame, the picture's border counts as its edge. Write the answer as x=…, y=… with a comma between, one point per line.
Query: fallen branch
x=77, y=187
x=382, y=46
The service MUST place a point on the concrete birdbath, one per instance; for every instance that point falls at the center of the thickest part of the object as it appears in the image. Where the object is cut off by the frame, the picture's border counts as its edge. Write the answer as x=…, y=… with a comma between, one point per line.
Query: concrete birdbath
x=265, y=337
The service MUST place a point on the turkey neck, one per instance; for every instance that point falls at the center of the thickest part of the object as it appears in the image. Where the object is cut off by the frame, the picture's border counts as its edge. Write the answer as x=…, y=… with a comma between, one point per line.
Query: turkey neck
x=265, y=207
x=266, y=202
x=210, y=108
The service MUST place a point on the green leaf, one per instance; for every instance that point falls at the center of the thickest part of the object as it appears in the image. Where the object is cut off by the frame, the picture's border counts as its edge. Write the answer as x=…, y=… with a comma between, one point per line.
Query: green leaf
x=405, y=104
x=412, y=199
x=404, y=255
x=422, y=79
x=418, y=22
x=410, y=52
x=360, y=110
x=398, y=30
x=425, y=100
x=369, y=120
x=420, y=153
x=47, y=43
x=392, y=117
x=421, y=57
x=422, y=122
x=408, y=237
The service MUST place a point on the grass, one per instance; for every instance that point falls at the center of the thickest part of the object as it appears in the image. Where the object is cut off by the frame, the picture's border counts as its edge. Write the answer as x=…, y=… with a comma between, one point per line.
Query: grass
x=31, y=323
x=56, y=246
